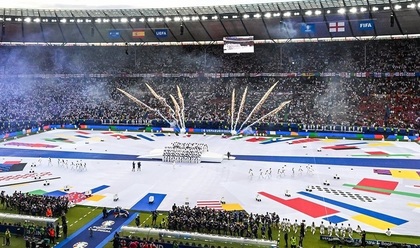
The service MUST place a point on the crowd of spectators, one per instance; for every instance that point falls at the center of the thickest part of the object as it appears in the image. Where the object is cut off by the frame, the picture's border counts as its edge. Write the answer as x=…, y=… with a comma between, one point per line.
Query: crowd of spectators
x=351, y=56
x=370, y=101
x=24, y=203
x=236, y=223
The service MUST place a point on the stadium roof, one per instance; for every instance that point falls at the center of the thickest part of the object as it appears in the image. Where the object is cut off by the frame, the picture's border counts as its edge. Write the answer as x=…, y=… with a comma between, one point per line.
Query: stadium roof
x=52, y=21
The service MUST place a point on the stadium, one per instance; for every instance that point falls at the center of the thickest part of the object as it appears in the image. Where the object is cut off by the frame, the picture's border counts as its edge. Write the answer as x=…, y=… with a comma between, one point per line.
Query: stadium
x=252, y=123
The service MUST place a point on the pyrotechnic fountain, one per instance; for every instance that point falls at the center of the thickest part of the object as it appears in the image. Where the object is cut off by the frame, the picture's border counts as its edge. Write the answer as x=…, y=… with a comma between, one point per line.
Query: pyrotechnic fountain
x=254, y=110
x=177, y=113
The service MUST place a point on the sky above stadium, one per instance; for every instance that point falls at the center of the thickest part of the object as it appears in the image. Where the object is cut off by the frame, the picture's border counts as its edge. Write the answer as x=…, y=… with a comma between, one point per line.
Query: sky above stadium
x=122, y=4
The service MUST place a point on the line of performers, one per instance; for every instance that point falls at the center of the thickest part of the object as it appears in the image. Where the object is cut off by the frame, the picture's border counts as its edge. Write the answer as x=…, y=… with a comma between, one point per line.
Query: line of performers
x=184, y=152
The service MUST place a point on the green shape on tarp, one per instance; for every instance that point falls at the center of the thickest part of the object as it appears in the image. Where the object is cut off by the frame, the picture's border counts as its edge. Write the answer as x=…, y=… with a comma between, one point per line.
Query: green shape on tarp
x=37, y=192
x=313, y=135
x=236, y=138
x=382, y=190
x=359, y=136
x=148, y=129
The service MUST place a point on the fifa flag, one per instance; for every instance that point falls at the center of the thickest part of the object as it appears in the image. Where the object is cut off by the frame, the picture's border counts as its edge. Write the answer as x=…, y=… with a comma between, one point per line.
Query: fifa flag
x=366, y=25
x=138, y=33
x=308, y=28
x=337, y=27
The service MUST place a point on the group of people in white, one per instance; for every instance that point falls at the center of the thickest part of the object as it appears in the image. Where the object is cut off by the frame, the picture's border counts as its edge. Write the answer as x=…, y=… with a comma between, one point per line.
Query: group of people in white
x=281, y=172
x=78, y=165
x=184, y=152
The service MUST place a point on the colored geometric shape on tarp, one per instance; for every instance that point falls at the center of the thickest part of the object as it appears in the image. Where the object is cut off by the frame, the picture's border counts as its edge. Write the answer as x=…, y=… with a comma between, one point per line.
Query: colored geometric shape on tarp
x=159, y=134
x=414, y=205
x=378, y=144
x=276, y=140
x=145, y=137
x=95, y=198
x=367, y=212
x=119, y=136
x=385, y=191
x=99, y=188
x=56, y=193
x=11, y=162
x=213, y=204
x=300, y=141
x=304, y=206
x=382, y=172
x=336, y=147
x=377, y=183
x=37, y=192
x=377, y=153
x=371, y=221
x=39, y=145
x=132, y=137
x=107, y=132
x=17, y=167
x=144, y=205
x=232, y=207
x=83, y=132
x=82, y=136
x=255, y=139
x=237, y=138
x=405, y=174
x=335, y=219
x=351, y=144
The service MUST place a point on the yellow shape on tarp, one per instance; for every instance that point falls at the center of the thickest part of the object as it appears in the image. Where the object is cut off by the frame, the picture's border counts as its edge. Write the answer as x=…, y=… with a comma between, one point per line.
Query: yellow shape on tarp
x=380, y=224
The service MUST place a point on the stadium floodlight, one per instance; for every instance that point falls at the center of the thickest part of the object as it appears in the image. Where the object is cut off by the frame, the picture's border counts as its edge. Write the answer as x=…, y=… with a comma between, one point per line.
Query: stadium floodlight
x=159, y=19
x=296, y=13
x=133, y=20
x=177, y=18
x=204, y=18
x=225, y=17
x=88, y=20
x=53, y=20
x=309, y=12
x=258, y=15
x=276, y=14
x=141, y=19
x=411, y=6
x=195, y=18
x=363, y=9
x=79, y=20
x=341, y=10
x=71, y=20
x=375, y=8
x=286, y=14
x=8, y=19
x=186, y=18
x=353, y=10
x=387, y=8
x=37, y=20
x=44, y=20
x=418, y=5
x=27, y=19
x=151, y=19
x=234, y=16
x=63, y=20
x=246, y=16
x=124, y=20
x=214, y=17
x=318, y=12
x=397, y=7
x=115, y=20
x=328, y=11
x=168, y=19
x=267, y=15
